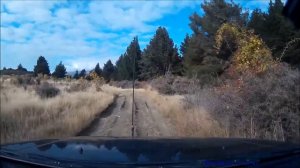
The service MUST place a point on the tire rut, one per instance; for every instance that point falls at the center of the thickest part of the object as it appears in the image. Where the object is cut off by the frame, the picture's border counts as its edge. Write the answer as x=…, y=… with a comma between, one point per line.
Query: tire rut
x=116, y=120
x=107, y=112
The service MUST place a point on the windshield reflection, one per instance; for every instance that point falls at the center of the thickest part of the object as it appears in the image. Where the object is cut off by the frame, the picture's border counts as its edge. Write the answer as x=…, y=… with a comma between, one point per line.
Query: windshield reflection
x=146, y=151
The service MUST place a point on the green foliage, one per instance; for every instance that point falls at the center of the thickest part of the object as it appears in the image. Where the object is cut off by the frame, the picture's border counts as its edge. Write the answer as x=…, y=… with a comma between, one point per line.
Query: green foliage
x=98, y=70
x=20, y=68
x=176, y=63
x=60, y=71
x=217, y=12
x=108, y=70
x=184, y=45
x=276, y=31
x=76, y=75
x=124, y=65
x=160, y=56
x=199, y=48
x=251, y=54
x=41, y=66
x=82, y=74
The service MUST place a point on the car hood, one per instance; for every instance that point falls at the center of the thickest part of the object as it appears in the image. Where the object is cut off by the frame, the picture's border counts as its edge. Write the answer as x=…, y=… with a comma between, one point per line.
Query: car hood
x=95, y=151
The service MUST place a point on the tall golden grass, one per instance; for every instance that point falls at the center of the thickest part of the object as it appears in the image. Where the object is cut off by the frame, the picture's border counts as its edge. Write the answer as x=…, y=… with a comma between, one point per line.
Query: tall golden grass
x=25, y=116
x=187, y=120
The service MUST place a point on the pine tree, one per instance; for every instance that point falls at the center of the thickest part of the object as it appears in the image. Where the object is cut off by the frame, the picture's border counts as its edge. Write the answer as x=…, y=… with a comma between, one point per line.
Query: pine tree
x=124, y=65
x=76, y=75
x=98, y=70
x=200, y=56
x=217, y=12
x=41, y=66
x=160, y=55
x=108, y=70
x=21, y=68
x=257, y=22
x=176, y=62
x=82, y=74
x=121, y=68
x=276, y=31
x=60, y=71
x=184, y=45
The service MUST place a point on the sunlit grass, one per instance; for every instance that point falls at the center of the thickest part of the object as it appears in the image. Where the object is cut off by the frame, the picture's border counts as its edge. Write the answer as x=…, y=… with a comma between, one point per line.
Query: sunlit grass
x=25, y=116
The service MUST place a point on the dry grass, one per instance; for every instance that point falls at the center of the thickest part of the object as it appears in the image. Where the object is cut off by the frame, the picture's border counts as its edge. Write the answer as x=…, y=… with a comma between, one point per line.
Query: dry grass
x=264, y=106
x=187, y=120
x=25, y=116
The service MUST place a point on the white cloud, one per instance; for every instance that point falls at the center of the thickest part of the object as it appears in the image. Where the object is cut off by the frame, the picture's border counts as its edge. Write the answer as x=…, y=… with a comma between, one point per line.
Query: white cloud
x=23, y=11
x=77, y=33
x=19, y=34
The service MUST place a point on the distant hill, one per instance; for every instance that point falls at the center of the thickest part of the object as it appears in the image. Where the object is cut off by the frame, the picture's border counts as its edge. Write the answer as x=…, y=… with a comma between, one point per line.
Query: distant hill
x=73, y=72
x=11, y=71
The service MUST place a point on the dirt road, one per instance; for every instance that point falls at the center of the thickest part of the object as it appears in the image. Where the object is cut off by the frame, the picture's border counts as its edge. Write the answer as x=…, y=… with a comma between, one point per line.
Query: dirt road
x=117, y=119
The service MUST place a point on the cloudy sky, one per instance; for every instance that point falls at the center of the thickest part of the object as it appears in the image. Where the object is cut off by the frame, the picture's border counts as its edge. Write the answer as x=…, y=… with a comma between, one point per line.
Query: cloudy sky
x=83, y=33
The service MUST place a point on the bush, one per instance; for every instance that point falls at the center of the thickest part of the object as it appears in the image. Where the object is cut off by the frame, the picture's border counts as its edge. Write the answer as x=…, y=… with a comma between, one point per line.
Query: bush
x=170, y=84
x=264, y=106
x=252, y=53
x=81, y=85
x=46, y=90
x=127, y=84
x=164, y=84
x=96, y=79
x=22, y=80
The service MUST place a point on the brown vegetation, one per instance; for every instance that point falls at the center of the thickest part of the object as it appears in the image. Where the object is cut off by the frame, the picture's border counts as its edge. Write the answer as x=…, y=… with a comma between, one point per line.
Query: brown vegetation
x=171, y=84
x=46, y=90
x=261, y=106
x=188, y=120
x=25, y=116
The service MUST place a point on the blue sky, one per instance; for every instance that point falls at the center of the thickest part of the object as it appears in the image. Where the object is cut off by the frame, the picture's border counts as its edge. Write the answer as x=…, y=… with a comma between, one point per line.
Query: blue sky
x=83, y=33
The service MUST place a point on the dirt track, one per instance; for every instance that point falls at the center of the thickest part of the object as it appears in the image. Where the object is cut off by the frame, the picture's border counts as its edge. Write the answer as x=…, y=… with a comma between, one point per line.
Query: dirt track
x=116, y=121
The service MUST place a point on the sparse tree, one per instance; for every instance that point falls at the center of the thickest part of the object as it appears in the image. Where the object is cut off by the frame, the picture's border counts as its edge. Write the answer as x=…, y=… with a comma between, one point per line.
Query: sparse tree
x=41, y=66
x=21, y=68
x=82, y=73
x=60, y=71
x=98, y=70
x=76, y=75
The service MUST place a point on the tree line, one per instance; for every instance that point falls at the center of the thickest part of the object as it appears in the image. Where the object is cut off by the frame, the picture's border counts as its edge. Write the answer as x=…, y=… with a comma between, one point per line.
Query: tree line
x=198, y=55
